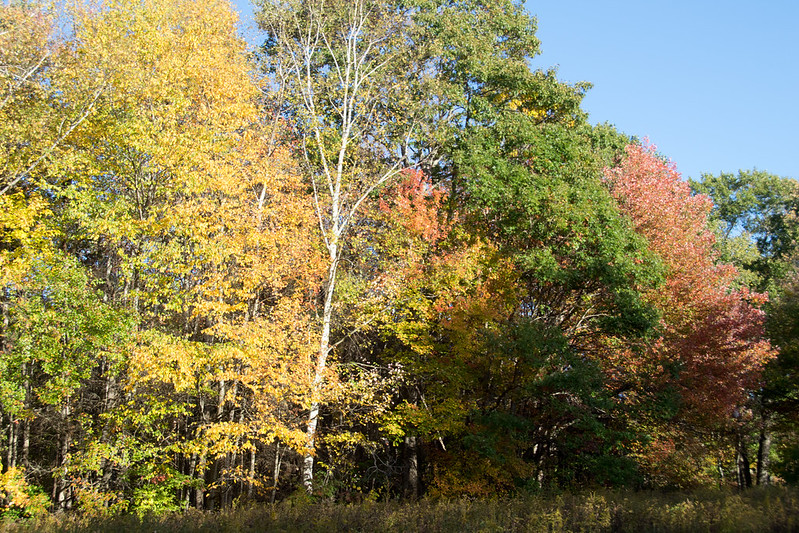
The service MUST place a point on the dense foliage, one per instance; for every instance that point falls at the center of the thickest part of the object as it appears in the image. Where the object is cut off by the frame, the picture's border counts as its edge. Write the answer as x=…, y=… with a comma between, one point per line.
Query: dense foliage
x=378, y=258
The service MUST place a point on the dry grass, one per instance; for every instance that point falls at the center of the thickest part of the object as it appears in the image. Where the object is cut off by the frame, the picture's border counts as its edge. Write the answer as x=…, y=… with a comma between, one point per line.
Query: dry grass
x=761, y=510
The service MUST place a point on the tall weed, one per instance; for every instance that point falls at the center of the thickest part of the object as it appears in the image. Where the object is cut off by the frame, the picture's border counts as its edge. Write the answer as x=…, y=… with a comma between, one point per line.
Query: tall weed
x=772, y=509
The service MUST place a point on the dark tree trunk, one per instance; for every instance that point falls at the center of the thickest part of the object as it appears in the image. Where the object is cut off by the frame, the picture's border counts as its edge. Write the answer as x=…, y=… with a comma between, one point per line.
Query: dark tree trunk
x=110, y=402
x=744, y=473
x=199, y=493
x=191, y=470
x=26, y=442
x=11, y=456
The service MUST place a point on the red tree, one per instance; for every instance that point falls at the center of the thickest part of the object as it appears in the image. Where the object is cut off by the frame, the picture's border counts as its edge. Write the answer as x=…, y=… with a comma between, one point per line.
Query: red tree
x=711, y=349
x=712, y=332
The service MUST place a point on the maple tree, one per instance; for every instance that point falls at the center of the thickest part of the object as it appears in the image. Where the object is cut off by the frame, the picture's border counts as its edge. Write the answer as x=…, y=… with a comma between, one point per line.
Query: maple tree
x=712, y=346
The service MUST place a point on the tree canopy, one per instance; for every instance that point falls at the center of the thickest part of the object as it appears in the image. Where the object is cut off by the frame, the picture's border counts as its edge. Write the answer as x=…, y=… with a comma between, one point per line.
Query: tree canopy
x=380, y=256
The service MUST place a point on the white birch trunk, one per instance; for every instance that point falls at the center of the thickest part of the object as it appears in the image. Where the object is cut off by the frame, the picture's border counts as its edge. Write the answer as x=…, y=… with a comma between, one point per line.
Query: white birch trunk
x=332, y=57
x=321, y=367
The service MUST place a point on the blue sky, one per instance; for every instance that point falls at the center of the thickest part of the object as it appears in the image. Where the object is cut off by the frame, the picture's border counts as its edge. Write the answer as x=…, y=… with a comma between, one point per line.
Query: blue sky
x=713, y=84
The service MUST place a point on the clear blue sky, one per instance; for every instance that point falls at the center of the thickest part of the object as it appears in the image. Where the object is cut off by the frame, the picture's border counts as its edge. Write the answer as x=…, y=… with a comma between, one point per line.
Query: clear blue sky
x=713, y=84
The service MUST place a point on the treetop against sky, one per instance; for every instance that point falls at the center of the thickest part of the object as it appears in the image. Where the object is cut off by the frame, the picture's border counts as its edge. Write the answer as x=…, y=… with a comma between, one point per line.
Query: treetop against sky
x=713, y=87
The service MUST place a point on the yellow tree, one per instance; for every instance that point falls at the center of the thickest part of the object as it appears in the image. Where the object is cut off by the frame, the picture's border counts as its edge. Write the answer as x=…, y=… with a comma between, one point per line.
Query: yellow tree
x=187, y=213
x=48, y=318
x=41, y=106
x=37, y=114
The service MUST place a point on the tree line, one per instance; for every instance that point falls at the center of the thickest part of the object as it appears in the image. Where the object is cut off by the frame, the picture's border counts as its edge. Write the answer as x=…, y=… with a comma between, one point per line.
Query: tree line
x=379, y=257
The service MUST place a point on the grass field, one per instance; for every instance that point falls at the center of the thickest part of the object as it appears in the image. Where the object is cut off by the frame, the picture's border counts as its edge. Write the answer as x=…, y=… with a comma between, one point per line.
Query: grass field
x=760, y=510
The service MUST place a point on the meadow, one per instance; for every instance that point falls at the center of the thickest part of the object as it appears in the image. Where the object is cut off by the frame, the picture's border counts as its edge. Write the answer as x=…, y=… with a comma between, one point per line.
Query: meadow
x=772, y=509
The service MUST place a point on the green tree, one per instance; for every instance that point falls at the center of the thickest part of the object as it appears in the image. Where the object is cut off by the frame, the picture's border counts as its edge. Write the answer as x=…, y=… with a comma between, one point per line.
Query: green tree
x=754, y=208
x=781, y=392
x=62, y=338
x=756, y=214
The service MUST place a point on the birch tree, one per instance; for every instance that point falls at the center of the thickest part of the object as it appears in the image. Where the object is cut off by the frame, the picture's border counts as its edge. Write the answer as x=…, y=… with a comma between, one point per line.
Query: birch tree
x=348, y=70
x=377, y=86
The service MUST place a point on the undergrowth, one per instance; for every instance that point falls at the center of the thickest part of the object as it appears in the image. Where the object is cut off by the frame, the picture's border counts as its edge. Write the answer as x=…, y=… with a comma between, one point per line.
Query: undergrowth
x=760, y=510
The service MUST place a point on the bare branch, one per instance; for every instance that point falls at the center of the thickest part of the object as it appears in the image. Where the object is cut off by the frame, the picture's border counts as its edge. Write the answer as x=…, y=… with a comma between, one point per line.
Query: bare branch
x=55, y=145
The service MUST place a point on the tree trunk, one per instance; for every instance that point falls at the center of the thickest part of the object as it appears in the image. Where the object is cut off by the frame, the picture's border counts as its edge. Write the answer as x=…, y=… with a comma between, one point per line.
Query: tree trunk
x=26, y=442
x=275, y=473
x=62, y=489
x=199, y=493
x=744, y=473
x=411, y=489
x=764, y=450
x=308, y=461
x=251, y=478
x=321, y=366
x=3, y=463
x=11, y=456
x=106, y=437
x=26, y=424
x=187, y=496
x=220, y=406
x=233, y=457
x=4, y=323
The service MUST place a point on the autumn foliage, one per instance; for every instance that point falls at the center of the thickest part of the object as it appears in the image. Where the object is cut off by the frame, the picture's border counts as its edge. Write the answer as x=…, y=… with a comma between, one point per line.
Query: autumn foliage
x=711, y=347
x=711, y=330
x=406, y=275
